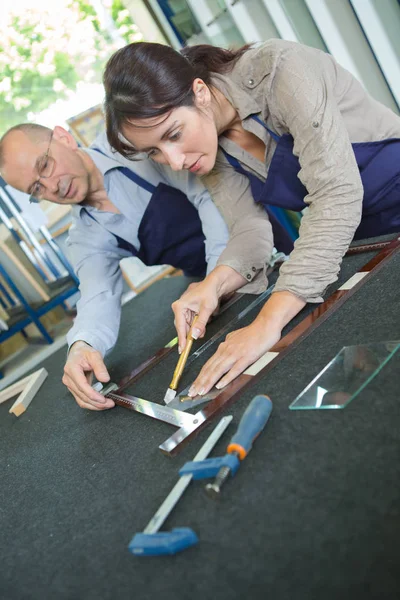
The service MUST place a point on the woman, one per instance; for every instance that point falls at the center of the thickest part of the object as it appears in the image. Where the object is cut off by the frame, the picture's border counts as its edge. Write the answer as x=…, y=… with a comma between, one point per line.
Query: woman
x=282, y=125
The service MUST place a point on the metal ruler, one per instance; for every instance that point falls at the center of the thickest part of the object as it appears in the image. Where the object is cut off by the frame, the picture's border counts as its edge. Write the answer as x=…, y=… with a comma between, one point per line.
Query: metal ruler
x=178, y=418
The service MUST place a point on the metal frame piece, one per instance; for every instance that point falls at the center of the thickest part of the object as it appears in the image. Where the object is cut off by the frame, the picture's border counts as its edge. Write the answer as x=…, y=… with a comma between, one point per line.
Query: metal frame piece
x=191, y=424
x=372, y=247
x=149, y=363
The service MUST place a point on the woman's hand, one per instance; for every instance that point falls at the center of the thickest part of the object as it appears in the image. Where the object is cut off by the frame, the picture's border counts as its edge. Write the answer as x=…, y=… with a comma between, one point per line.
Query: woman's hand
x=243, y=347
x=240, y=349
x=203, y=299
x=199, y=299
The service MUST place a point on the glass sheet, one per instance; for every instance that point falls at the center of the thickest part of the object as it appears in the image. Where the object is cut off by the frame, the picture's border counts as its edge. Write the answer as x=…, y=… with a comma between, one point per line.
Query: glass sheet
x=345, y=376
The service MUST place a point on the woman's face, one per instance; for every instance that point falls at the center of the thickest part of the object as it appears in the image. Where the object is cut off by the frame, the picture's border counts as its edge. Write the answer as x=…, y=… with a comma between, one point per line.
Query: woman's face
x=185, y=138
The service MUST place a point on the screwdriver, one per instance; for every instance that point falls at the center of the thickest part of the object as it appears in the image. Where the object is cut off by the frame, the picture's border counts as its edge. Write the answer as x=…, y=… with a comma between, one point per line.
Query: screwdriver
x=251, y=425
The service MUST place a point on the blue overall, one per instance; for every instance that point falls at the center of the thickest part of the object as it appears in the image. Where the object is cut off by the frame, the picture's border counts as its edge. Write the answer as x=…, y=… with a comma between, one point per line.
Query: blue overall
x=379, y=165
x=170, y=232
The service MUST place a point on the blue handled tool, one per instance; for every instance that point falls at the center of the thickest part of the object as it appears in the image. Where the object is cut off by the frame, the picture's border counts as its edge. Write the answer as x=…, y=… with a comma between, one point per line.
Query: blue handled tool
x=251, y=425
x=151, y=542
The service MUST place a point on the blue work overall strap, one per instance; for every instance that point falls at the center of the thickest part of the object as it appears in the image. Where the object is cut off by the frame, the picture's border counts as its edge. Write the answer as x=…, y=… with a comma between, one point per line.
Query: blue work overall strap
x=279, y=213
x=123, y=244
x=274, y=135
x=379, y=165
x=170, y=231
x=146, y=185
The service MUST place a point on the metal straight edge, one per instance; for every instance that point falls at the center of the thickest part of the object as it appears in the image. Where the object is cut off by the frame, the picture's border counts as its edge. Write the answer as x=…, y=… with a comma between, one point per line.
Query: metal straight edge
x=161, y=412
x=177, y=491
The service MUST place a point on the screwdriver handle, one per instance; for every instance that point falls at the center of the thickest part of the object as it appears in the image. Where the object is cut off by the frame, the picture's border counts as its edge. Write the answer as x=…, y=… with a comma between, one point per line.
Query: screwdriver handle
x=251, y=425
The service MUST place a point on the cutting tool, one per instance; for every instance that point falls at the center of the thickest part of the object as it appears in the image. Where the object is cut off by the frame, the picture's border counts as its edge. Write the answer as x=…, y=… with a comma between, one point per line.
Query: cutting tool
x=171, y=391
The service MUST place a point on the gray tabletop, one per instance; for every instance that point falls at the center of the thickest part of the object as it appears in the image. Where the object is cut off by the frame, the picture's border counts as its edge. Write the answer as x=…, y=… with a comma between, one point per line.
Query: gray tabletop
x=312, y=513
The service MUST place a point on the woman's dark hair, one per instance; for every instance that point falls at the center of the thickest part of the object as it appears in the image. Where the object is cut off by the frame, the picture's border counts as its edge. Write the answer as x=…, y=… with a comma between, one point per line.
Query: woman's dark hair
x=144, y=80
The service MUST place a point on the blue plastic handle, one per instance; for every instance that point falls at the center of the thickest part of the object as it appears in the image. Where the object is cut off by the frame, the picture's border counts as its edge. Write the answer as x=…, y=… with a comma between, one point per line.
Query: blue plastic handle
x=251, y=425
x=163, y=542
x=209, y=467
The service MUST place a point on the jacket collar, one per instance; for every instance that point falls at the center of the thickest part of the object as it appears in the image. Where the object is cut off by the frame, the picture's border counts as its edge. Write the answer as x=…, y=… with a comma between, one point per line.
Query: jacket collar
x=238, y=95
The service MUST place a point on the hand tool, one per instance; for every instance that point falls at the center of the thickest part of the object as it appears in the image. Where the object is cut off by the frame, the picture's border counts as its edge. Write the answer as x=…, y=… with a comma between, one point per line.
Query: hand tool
x=153, y=543
x=171, y=391
x=251, y=425
x=188, y=424
x=183, y=396
x=151, y=409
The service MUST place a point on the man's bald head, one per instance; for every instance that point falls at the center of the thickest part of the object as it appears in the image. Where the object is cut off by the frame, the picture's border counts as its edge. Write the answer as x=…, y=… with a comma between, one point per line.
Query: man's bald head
x=24, y=148
x=35, y=133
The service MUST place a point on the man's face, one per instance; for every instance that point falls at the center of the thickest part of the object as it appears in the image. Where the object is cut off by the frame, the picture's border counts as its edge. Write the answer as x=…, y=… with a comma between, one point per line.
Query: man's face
x=69, y=180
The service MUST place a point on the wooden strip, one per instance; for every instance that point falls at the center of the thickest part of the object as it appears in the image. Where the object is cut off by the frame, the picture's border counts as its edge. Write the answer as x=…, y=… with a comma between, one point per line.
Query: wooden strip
x=146, y=365
x=14, y=389
x=9, y=291
x=35, y=382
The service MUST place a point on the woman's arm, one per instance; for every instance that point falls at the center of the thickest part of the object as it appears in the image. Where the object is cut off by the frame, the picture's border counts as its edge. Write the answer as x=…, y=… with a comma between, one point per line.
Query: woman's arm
x=304, y=103
x=243, y=262
x=305, y=106
x=250, y=242
x=243, y=347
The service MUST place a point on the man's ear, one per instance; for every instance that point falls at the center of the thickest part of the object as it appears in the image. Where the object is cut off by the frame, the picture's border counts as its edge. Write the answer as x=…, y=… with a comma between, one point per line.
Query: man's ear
x=64, y=137
x=202, y=94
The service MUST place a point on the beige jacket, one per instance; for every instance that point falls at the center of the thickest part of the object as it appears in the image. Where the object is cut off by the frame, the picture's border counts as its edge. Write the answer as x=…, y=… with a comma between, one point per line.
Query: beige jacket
x=302, y=91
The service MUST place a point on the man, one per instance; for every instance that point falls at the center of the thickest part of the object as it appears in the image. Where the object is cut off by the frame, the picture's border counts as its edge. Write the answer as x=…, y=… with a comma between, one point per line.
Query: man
x=120, y=208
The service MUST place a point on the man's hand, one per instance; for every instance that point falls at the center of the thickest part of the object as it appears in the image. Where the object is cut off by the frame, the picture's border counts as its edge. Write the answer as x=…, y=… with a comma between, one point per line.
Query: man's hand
x=84, y=361
x=240, y=350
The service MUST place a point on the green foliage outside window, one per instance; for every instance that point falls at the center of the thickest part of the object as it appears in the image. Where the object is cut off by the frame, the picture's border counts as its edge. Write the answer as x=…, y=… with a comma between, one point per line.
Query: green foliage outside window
x=46, y=50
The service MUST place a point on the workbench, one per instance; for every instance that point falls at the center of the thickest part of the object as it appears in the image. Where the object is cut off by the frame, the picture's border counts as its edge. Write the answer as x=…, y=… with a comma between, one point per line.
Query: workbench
x=313, y=512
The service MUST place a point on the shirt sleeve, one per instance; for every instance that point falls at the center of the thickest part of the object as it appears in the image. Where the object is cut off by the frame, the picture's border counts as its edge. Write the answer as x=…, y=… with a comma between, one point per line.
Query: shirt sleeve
x=96, y=257
x=305, y=105
x=250, y=233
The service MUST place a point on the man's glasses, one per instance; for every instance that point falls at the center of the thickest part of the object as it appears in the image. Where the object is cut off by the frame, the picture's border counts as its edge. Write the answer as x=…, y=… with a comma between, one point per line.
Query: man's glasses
x=45, y=169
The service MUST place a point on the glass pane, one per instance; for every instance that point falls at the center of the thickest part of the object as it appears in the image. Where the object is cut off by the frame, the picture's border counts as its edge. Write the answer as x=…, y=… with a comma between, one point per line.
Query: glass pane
x=345, y=376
